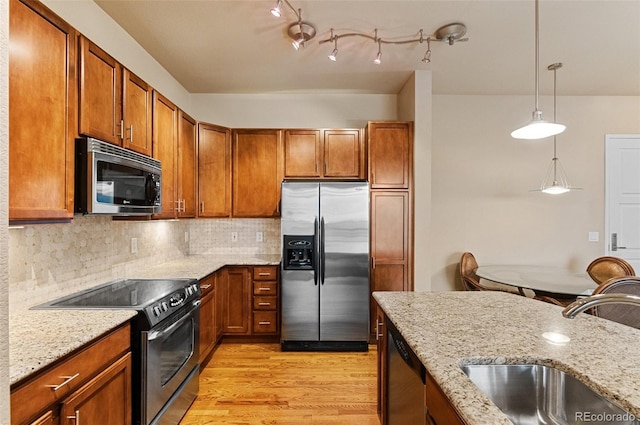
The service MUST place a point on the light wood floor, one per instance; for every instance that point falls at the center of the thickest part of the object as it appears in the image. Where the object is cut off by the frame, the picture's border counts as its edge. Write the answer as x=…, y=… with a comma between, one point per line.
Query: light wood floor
x=258, y=384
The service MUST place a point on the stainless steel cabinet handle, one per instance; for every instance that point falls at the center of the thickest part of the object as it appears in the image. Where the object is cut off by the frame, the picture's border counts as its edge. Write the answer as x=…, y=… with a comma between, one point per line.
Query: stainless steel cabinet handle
x=67, y=379
x=264, y=274
x=205, y=286
x=130, y=130
x=202, y=206
x=76, y=417
x=264, y=323
x=121, y=134
x=264, y=289
x=378, y=333
x=264, y=304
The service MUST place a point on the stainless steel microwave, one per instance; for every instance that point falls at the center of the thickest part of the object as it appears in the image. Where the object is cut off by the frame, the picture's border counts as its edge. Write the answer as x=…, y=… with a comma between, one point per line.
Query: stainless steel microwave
x=114, y=181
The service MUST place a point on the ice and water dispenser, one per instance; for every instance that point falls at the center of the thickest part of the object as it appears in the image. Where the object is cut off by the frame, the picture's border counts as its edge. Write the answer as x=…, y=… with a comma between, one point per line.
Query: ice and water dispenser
x=298, y=252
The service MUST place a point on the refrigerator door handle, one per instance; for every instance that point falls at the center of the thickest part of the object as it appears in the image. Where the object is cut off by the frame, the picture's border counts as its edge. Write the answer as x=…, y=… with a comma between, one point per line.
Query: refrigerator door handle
x=322, y=253
x=316, y=251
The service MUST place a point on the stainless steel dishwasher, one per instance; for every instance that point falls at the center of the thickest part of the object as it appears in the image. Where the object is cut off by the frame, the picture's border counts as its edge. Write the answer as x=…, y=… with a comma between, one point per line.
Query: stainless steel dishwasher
x=405, y=380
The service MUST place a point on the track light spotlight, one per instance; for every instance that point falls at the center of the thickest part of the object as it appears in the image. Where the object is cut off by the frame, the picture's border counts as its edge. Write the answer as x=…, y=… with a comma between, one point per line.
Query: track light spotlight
x=276, y=10
x=333, y=56
x=378, y=59
x=427, y=54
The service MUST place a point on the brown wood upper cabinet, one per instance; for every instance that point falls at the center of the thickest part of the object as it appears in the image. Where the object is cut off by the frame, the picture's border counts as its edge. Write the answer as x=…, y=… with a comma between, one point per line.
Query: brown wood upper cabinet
x=187, y=163
x=214, y=171
x=115, y=104
x=257, y=172
x=390, y=154
x=174, y=145
x=325, y=153
x=42, y=113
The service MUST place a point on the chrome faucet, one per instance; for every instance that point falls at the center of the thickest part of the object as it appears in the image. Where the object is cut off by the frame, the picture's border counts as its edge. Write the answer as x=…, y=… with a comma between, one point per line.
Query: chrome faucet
x=583, y=304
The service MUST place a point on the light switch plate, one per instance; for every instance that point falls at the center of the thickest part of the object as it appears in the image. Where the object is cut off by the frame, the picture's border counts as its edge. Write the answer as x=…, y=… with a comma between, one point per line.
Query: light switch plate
x=594, y=236
x=259, y=236
x=134, y=245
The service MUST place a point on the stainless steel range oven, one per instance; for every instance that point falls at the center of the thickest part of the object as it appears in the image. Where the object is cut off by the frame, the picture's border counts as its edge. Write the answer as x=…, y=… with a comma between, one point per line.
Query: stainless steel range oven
x=164, y=341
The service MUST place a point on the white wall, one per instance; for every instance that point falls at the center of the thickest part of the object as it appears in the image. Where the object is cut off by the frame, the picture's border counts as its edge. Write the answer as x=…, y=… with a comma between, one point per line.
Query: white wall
x=482, y=177
x=293, y=110
x=414, y=104
x=4, y=170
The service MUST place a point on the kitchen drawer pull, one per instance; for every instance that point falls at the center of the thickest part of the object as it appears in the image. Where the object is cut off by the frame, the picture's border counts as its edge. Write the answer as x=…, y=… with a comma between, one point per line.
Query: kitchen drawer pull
x=76, y=417
x=264, y=289
x=207, y=286
x=265, y=304
x=264, y=274
x=264, y=323
x=67, y=379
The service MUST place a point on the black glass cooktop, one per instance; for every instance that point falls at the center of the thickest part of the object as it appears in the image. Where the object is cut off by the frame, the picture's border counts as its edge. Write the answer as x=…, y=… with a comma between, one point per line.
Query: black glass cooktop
x=126, y=293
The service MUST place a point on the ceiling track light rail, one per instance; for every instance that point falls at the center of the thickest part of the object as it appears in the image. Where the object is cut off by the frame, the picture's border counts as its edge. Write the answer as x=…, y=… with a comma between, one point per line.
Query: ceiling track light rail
x=449, y=34
x=301, y=32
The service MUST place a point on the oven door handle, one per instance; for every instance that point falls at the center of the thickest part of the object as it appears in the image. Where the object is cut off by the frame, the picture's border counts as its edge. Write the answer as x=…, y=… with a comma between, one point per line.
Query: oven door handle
x=156, y=334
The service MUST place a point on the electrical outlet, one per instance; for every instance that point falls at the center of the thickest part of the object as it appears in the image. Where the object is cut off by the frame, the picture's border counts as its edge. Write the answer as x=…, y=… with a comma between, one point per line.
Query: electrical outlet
x=134, y=245
x=259, y=236
x=234, y=236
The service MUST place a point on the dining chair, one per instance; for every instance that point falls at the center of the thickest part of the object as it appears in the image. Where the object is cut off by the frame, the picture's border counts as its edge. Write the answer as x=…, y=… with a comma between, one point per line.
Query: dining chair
x=604, y=268
x=626, y=314
x=472, y=282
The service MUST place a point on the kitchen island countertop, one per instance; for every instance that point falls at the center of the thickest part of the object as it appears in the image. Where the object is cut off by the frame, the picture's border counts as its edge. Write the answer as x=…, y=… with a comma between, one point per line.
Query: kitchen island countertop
x=449, y=329
x=37, y=338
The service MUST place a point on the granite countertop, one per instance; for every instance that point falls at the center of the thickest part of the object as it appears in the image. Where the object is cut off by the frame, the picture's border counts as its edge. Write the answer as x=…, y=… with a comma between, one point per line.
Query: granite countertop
x=37, y=338
x=449, y=329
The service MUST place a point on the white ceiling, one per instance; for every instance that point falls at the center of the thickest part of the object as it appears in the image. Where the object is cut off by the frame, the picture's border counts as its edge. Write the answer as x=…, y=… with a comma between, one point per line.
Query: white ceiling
x=237, y=46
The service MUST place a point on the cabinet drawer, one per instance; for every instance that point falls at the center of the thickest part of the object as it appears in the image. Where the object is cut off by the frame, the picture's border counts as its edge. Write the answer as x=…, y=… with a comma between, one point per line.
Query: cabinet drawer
x=265, y=288
x=265, y=273
x=46, y=388
x=264, y=303
x=265, y=322
x=207, y=285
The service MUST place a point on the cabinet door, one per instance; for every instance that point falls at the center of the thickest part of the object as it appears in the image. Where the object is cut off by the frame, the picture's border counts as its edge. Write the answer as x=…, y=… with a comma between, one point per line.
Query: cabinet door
x=42, y=113
x=207, y=317
x=100, y=94
x=214, y=171
x=390, y=243
x=257, y=173
x=165, y=136
x=136, y=111
x=237, y=304
x=302, y=153
x=220, y=304
x=186, y=173
x=106, y=399
x=381, y=346
x=390, y=154
x=343, y=154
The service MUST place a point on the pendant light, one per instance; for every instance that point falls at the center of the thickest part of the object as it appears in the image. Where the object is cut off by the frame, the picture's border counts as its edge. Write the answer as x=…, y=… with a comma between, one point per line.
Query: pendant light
x=537, y=128
x=555, y=181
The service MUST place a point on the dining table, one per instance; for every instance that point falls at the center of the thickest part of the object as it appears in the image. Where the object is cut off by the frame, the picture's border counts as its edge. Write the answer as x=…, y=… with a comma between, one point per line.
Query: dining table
x=543, y=280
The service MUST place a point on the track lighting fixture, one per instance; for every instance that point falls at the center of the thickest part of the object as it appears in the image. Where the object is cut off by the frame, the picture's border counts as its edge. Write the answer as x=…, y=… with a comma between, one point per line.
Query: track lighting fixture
x=300, y=32
x=449, y=34
x=378, y=59
x=427, y=54
x=276, y=10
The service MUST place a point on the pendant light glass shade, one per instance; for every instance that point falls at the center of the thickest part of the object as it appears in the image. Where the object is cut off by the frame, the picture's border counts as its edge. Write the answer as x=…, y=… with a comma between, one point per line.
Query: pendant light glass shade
x=537, y=128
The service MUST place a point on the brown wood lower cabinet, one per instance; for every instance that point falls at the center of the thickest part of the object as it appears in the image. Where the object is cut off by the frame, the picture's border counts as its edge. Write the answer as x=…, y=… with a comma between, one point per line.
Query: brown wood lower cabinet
x=209, y=324
x=249, y=304
x=96, y=386
x=439, y=410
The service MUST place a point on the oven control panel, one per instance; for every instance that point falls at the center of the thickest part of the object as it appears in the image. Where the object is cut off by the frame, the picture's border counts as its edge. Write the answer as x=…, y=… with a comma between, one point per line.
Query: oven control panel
x=169, y=304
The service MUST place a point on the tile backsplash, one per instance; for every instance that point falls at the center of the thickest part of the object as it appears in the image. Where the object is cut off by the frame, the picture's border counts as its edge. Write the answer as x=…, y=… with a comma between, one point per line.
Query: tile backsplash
x=52, y=260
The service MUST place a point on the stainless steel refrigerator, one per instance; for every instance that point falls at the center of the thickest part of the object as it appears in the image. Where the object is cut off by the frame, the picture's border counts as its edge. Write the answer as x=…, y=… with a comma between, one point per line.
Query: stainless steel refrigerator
x=325, y=266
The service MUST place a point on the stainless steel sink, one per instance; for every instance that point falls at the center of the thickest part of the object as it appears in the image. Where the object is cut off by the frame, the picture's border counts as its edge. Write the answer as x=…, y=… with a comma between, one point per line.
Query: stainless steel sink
x=536, y=394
